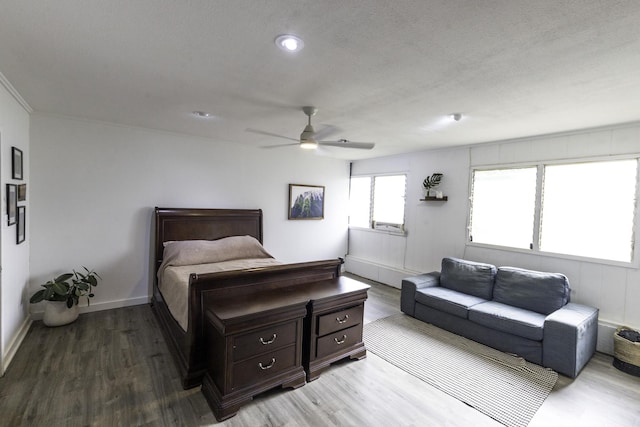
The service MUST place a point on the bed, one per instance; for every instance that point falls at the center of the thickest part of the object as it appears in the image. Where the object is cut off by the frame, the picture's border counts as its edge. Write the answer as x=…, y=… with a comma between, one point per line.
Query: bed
x=186, y=341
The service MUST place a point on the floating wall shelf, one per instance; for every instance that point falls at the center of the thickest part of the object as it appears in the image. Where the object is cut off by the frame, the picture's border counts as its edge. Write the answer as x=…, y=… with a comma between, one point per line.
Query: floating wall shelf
x=434, y=199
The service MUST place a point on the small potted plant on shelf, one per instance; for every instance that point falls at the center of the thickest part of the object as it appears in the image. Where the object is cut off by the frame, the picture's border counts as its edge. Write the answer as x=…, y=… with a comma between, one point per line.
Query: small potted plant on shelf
x=62, y=296
x=430, y=183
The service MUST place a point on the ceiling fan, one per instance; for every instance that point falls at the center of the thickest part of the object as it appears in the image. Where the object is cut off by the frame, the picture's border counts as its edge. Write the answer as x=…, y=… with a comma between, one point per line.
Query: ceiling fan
x=309, y=137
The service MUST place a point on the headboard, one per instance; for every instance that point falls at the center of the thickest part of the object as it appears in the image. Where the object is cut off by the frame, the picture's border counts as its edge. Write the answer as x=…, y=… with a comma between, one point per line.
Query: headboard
x=204, y=224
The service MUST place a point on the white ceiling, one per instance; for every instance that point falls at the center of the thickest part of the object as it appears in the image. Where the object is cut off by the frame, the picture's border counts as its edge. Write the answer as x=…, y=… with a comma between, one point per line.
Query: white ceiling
x=383, y=71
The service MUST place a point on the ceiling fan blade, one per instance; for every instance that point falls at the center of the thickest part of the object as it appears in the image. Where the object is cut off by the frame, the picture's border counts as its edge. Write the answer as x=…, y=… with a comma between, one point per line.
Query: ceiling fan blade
x=275, y=135
x=280, y=145
x=343, y=143
x=326, y=132
x=320, y=151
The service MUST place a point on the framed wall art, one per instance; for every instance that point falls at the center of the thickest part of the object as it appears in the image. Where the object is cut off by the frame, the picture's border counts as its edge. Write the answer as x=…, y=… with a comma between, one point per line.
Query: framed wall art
x=306, y=201
x=12, y=203
x=16, y=163
x=22, y=224
x=22, y=192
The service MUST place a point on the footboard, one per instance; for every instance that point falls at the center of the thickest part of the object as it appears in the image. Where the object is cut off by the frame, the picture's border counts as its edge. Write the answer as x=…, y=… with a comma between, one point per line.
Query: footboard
x=188, y=347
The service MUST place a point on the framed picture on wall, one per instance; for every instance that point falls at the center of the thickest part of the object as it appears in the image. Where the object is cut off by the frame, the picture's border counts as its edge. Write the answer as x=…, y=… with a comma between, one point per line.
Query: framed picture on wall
x=306, y=201
x=22, y=192
x=16, y=163
x=12, y=203
x=22, y=223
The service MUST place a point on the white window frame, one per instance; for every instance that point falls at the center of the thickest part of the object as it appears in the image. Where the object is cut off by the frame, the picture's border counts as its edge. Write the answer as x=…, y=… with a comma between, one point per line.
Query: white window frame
x=383, y=227
x=535, y=249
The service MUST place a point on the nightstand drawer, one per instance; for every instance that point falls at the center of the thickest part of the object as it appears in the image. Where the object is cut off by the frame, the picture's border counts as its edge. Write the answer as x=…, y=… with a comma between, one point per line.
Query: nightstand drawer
x=338, y=341
x=264, y=340
x=340, y=320
x=261, y=368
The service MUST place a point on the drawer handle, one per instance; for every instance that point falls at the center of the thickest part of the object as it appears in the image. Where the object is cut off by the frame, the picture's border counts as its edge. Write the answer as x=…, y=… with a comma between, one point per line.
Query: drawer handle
x=269, y=366
x=344, y=319
x=270, y=340
x=340, y=341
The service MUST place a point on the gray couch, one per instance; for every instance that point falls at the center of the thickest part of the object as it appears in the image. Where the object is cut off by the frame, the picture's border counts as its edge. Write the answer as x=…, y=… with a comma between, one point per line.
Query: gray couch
x=518, y=311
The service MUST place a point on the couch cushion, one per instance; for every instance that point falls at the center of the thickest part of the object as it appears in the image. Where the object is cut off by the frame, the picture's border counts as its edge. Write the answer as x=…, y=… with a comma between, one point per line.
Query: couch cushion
x=532, y=290
x=506, y=318
x=473, y=278
x=447, y=300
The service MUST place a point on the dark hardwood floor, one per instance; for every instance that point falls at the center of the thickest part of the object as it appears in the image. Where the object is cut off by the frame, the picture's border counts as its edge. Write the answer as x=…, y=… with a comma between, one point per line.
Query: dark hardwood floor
x=112, y=368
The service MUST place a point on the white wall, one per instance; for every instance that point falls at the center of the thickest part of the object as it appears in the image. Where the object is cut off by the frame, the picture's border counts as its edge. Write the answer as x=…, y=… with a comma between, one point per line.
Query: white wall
x=438, y=229
x=432, y=227
x=14, y=320
x=94, y=186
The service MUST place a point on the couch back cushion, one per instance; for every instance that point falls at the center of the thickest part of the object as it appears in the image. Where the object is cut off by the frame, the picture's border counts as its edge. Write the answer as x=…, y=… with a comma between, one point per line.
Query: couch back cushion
x=532, y=290
x=473, y=278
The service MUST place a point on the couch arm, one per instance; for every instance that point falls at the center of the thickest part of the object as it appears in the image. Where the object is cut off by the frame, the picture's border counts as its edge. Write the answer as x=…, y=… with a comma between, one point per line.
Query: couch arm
x=409, y=287
x=569, y=339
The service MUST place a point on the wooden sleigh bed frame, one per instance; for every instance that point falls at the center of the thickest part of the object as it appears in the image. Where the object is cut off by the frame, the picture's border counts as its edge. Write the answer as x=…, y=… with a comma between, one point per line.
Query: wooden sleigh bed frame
x=172, y=224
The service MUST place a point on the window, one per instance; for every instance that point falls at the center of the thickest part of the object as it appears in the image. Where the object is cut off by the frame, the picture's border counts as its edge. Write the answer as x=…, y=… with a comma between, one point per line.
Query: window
x=503, y=207
x=582, y=209
x=588, y=209
x=377, y=202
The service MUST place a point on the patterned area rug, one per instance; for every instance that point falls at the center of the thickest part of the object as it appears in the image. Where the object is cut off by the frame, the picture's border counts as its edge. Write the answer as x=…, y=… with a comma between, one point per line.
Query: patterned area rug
x=505, y=387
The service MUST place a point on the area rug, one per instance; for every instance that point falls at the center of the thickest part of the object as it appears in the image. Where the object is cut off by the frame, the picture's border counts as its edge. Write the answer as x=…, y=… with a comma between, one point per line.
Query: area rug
x=505, y=387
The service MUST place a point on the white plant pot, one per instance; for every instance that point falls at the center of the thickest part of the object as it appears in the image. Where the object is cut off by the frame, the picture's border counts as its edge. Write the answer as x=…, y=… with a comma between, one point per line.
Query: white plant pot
x=56, y=313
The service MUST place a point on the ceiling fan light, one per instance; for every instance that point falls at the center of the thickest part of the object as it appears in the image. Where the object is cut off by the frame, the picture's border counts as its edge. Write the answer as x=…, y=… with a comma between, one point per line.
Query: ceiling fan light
x=309, y=144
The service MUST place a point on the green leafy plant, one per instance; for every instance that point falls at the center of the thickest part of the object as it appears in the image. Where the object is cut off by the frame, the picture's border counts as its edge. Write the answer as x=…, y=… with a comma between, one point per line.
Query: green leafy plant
x=432, y=181
x=68, y=287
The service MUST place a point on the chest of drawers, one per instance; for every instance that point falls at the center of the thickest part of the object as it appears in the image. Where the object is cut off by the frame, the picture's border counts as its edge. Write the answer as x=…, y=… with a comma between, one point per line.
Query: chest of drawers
x=279, y=337
x=250, y=351
x=333, y=326
x=339, y=330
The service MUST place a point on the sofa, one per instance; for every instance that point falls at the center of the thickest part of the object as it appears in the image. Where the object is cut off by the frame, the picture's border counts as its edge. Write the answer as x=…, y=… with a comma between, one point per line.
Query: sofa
x=514, y=310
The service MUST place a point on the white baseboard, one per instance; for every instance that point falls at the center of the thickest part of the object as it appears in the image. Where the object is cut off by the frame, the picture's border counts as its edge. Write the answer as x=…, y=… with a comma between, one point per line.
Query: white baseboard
x=14, y=345
x=37, y=314
x=115, y=304
x=391, y=276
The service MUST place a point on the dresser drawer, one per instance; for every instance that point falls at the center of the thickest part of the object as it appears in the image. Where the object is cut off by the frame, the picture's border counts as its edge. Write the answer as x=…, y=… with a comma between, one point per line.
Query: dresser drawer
x=260, y=368
x=338, y=320
x=337, y=341
x=264, y=340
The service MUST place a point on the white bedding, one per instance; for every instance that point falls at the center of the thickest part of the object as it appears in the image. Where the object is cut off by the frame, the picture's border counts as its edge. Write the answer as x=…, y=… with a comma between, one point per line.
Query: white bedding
x=201, y=256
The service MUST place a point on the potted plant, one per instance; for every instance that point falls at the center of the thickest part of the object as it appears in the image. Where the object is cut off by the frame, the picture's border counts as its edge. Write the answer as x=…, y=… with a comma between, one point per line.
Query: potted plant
x=431, y=182
x=62, y=296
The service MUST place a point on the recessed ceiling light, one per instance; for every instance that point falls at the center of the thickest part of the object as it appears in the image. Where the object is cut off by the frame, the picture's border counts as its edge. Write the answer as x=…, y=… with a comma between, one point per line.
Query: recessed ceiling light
x=289, y=43
x=456, y=117
x=203, y=114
